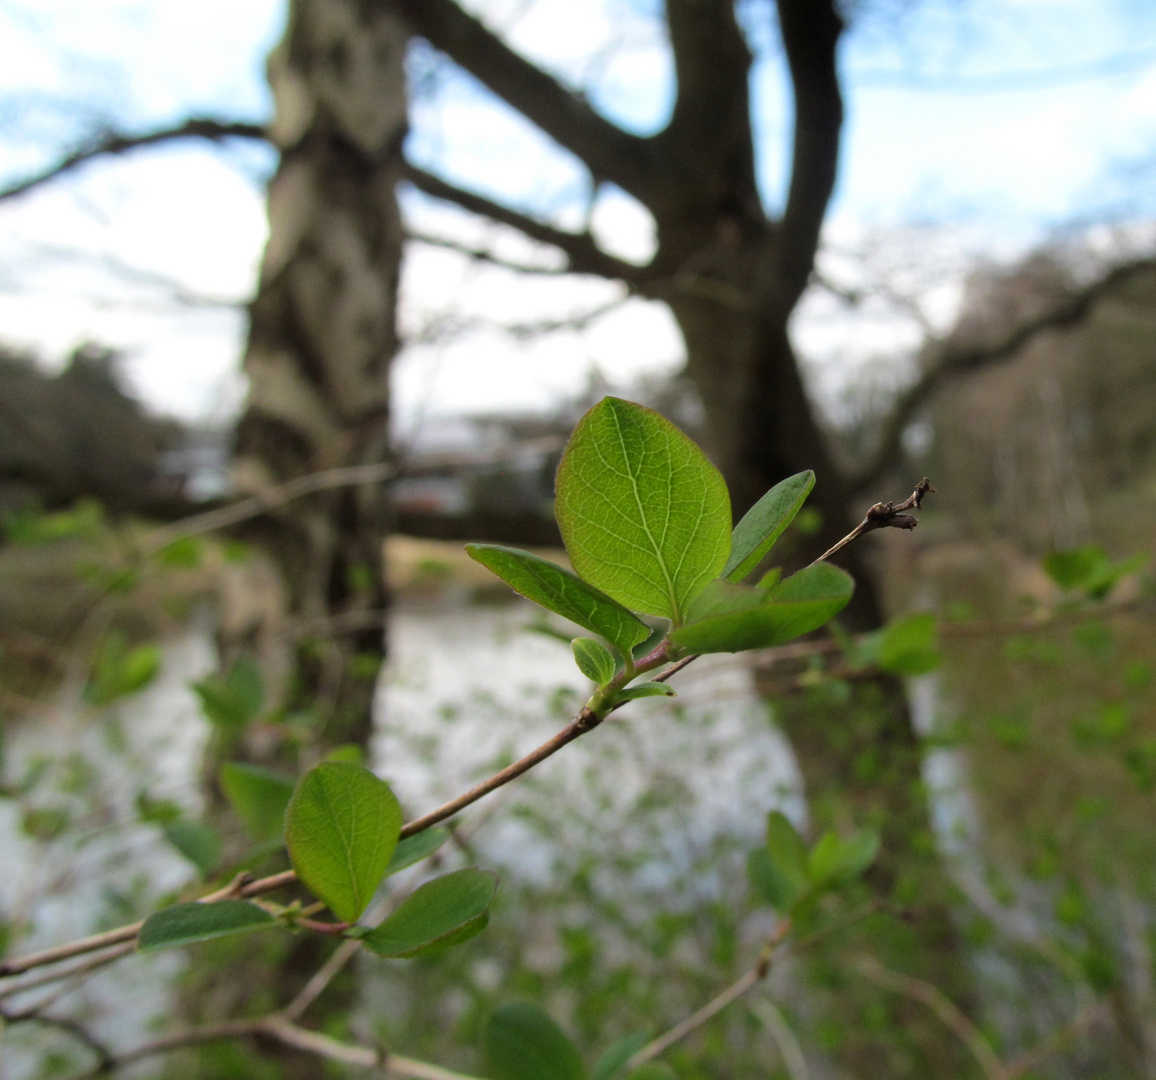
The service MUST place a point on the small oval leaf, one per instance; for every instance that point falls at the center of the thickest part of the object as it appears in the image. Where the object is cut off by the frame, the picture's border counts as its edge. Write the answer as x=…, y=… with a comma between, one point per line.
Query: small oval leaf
x=184, y=924
x=523, y=1043
x=443, y=912
x=415, y=848
x=562, y=592
x=802, y=603
x=614, y=1058
x=594, y=660
x=645, y=689
x=645, y=516
x=764, y=523
x=341, y=828
x=258, y=797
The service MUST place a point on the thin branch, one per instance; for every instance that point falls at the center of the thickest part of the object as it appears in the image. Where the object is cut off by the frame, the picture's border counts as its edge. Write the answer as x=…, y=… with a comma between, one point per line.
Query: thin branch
x=89, y=964
x=278, y=1027
x=811, y=32
x=106, y=1060
x=887, y=515
x=115, y=143
x=943, y=1007
x=716, y=1005
x=607, y=150
x=265, y=502
x=785, y=1041
x=581, y=249
x=951, y=360
x=480, y=254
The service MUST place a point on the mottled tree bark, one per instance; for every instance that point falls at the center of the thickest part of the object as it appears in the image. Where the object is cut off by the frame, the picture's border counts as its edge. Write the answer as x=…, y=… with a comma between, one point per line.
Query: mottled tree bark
x=322, y=334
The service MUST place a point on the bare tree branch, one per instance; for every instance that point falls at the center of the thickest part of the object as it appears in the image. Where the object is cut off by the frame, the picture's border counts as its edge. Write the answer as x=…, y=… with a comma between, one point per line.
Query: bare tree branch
x=810, y=33
x=607, y=150
x=950, y=360
x=114, y=143
x=585, y=256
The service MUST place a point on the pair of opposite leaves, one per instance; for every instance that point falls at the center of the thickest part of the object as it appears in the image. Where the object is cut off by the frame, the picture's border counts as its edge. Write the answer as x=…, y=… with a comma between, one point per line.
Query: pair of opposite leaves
x=646, y=519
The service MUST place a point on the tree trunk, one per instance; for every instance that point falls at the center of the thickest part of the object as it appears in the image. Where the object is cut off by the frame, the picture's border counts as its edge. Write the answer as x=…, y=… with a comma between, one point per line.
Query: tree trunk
x=860, y=759
x=322, y=334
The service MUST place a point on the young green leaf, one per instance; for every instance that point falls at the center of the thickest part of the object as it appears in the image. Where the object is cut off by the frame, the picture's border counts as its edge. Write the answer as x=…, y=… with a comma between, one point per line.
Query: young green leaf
x=196, y=841
x=614, y=1058
x=184, y=924
x=523, y=1043
x=594, y=660
x=258, y=796
x=779, y=869
x=645, y=689
x=415, y=848
x=232, y=700
x=908, y=645
x=443, y=912
x=341, y=828
x=834, y=860
x=644, y=514
x=560, y=591
x=764, y=523
x=738, y=617
x=653, y=1070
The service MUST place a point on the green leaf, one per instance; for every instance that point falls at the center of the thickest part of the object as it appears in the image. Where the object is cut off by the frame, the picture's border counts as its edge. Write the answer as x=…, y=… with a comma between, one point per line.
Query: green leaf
x=341, y=828
x=732, y=618
x=908, y=645
x=119, y=670
x=764, y=523
x=594, y=660
x=523, y=1043
x=560, y=591
x=235, y=699
x=197, y=842
x=258, y=797
x=617, y=1054
x=653, y=1070
x=645, y=689
x=184, y=924
x=415, y=848
x=644, y=514
x=834, y=860
x=644, y=648
x=443, y=912
x=779, y=869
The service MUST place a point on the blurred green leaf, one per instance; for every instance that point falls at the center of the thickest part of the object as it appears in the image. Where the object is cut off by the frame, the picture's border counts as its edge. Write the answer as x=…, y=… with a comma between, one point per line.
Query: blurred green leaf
x=834, y=860
x=614, y=1058
x=185, y=924
x=258, y=797
x=341, y=828
x=232, y=701
x=779, y=869
x=443, y=912
x=764, y=523
x=653, y=1070
x=644, y=514
x=523, y=1043
x=196, y=841
x=909, y=645
x=119, y=670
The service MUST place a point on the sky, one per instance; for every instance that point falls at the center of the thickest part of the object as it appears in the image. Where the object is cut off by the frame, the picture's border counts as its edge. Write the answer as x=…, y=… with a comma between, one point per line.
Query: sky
x=974, y=130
